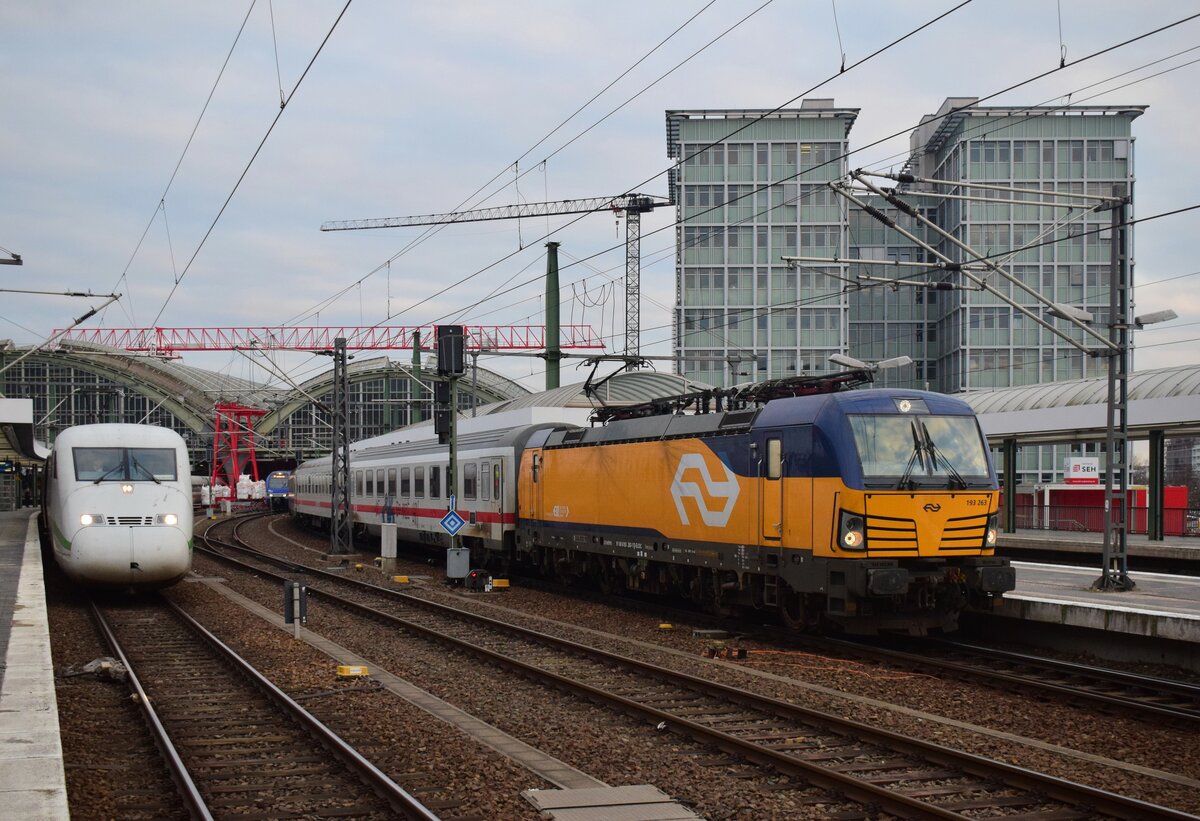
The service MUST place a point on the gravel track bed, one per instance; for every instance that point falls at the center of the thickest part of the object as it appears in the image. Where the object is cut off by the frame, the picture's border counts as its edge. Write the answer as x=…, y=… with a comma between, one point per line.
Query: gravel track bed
x=104, y=737
x=1126, y=740
x=606, y=745
x=416, y=751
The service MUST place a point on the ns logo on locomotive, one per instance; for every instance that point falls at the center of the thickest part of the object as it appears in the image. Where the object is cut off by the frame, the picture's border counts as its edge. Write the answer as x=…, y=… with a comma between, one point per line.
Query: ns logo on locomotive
x=858, y=510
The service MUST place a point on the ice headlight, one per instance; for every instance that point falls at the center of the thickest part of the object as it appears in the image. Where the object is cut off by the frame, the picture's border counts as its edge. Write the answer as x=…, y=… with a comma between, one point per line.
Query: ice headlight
x=86, y=519
x=852, y=531
x=993, y=530
x=127, y=489
x=168, y=519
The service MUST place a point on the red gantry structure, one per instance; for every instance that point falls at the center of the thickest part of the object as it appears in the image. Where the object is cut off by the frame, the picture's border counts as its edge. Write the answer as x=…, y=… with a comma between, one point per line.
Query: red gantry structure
x=169, y=341
x=234, y=435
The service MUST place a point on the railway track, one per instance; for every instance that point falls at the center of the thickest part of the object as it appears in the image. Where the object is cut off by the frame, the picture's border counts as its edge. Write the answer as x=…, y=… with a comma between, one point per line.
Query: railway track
x=1112, y=691
x=881, y=770
x=234, y=743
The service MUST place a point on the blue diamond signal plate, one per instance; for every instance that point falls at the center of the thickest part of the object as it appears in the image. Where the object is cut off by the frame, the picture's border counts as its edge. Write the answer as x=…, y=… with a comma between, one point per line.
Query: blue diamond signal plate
x=452, y=523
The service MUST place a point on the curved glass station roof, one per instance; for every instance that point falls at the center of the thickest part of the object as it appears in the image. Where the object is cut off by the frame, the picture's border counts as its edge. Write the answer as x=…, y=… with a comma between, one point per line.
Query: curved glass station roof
x=1165, y=399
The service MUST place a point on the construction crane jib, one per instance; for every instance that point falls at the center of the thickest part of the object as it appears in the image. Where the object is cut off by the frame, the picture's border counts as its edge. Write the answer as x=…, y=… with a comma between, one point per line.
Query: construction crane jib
x=632, y=205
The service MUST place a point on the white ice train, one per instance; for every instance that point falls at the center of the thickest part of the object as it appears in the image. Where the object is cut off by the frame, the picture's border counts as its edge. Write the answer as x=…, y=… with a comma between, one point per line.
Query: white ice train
x=117, y=505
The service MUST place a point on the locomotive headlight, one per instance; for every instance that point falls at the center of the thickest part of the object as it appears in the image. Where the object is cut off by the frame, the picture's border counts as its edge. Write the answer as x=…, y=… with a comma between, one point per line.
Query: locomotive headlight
x=852, y=531
x=127, y=489
x=168, y=519
x=86, y=519
x=993, y=529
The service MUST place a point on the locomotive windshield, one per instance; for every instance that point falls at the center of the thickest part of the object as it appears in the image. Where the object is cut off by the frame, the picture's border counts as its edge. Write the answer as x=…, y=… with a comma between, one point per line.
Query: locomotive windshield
x=922, y=450
x=124, y=464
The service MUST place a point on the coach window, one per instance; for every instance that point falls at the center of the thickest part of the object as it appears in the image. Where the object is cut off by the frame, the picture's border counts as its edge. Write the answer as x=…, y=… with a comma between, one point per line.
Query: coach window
x=370, y=483
x=419, y=483
x=358, y=483
x=470, y=477
x=435, y=482
x=379, y=486
x=485, y=470
x=391, y=486
x=405, y=482
x=774, y=458
x=496, y=481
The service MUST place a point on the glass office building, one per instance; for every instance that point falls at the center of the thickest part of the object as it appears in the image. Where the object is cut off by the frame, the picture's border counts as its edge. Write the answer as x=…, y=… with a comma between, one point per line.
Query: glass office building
x=750, y=190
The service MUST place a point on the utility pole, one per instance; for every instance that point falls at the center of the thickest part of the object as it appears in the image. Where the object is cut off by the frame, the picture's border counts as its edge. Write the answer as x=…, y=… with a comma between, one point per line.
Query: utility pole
x=1114, y=570
x=553, y=346
x=451, y=366
x=341, y=526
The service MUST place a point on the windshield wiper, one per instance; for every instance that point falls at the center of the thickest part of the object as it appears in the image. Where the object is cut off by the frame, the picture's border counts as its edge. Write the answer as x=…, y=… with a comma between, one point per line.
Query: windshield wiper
x=918, y=455
x=134, y=461
x=107, y=473
x=935, y=452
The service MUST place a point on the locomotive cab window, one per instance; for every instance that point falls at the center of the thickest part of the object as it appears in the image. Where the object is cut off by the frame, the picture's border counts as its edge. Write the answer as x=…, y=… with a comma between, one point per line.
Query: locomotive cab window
x=774, y=458
x=124, y=464
x=932, y=451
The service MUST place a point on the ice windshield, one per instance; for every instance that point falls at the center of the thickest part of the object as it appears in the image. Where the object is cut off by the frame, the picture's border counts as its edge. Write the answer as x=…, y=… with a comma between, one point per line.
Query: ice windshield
x=124, y=464
x=920, y=448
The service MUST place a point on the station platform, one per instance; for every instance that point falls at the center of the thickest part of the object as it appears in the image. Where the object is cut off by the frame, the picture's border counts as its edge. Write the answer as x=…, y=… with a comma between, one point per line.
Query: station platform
x=1161, y=607
x=32, y=778
x=1180, y=548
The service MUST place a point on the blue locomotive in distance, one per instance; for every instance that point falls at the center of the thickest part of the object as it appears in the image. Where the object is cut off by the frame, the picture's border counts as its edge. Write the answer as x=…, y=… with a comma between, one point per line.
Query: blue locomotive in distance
x=279, y=490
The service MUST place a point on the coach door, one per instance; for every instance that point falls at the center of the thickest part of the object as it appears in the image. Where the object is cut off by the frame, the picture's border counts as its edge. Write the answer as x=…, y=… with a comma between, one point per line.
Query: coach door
x=770, y=489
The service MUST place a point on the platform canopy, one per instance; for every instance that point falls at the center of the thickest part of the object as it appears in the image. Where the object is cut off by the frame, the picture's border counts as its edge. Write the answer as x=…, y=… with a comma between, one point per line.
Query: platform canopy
x=1166, y=399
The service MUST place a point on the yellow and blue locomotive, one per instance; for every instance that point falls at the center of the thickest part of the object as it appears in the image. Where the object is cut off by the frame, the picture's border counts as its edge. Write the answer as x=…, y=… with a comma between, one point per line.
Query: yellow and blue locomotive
x=872, y=510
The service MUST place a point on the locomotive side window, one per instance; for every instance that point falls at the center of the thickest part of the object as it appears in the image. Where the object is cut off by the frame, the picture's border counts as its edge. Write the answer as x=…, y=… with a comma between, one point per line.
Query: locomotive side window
x=405, y=482
x=470, y=479
x=391, y=485
x=419, y=482
x=774, y=458
x=537, y=465
x=435, y=482
x=485, y=469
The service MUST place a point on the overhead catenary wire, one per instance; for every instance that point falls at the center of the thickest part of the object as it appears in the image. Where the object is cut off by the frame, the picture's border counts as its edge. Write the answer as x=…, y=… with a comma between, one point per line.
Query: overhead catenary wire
x=1093, y=55
x=858, y=63
x=253, y=157
x=990, y=127
x=187, y=145
x=472, y=197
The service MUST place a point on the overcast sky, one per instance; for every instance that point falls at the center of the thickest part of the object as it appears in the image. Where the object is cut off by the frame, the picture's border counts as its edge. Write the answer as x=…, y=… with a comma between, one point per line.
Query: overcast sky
x=412, y=107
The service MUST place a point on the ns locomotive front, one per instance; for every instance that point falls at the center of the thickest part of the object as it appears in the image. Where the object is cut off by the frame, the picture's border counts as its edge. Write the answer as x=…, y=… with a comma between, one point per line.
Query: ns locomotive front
x=117, y=506
x=871, y=510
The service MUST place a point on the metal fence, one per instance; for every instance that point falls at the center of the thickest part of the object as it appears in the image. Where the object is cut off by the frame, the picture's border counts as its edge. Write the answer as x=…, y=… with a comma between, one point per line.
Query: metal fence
x=1177, y=521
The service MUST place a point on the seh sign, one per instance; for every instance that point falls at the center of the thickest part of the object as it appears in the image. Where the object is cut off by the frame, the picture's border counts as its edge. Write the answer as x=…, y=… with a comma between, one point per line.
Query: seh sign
x=1083, y=470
